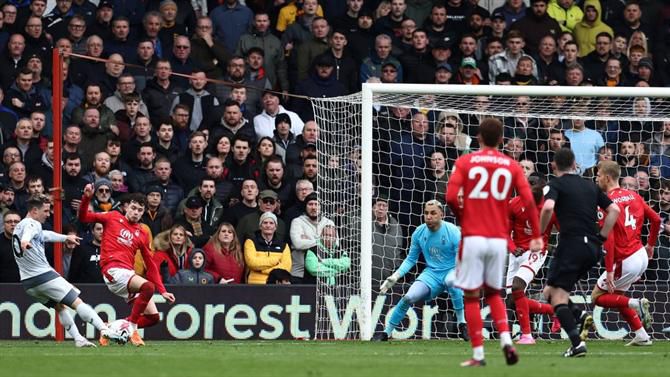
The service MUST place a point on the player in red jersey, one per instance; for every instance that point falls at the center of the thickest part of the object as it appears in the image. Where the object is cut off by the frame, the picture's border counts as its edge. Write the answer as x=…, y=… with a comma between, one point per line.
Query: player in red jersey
x=123, y=235
x=626, y=259
x=524, y=264
x=488, y=179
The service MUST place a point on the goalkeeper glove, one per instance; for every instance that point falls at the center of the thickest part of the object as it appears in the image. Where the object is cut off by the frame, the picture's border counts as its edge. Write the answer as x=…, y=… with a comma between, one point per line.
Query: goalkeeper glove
x=389, y=282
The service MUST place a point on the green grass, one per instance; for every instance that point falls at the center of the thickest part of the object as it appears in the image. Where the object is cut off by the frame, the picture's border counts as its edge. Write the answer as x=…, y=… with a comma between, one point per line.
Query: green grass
x=316, y=358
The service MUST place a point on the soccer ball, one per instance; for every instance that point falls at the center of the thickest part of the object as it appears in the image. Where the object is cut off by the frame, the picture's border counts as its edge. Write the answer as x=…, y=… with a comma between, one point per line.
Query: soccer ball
x=122, y=329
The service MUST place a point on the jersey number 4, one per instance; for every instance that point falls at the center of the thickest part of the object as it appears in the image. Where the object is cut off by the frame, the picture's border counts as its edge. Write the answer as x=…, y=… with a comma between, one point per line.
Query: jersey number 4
x=629, y=220
x=495, y=188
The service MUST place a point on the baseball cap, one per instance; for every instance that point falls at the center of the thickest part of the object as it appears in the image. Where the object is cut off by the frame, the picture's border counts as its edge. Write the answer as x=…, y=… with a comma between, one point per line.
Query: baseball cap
x=469, y=62
x=444, y=66
x=324, y=60
x=498, y=16
x=105, y=4
x=193, y=202
x=646, y=62
x=444, y=43
x=268, y=194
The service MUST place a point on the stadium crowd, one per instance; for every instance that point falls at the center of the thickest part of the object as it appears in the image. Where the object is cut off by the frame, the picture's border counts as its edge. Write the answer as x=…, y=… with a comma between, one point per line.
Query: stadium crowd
x=190, y=103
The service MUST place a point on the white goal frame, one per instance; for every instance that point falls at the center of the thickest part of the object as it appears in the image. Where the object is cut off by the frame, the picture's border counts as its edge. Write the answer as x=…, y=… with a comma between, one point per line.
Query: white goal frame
x=367, y=98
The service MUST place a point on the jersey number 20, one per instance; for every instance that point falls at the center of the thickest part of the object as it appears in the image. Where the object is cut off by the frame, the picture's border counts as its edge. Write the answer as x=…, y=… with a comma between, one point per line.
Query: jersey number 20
x=481, y=191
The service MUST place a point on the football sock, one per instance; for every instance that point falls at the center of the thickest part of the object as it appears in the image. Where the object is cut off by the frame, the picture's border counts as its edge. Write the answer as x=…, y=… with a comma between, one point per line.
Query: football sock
x=539, y=307
x=397, y=315
x=576, y=311
x=456, y=295
x=473, y=316
x=141, y=302
x=499, y=314
x=641, y=333
x=148, y=320
x=611, y=300
x=68, y=323
x=86, y=312
x=631, y=317
x=634, y=303
x=522, y=311
x=567, y=319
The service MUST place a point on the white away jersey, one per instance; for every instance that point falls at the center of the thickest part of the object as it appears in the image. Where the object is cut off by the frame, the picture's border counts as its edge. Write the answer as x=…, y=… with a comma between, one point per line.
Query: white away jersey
x=32, y=262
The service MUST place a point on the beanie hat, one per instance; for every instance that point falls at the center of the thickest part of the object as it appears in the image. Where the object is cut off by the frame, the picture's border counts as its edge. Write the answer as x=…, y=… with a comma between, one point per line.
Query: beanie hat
x=267, y=215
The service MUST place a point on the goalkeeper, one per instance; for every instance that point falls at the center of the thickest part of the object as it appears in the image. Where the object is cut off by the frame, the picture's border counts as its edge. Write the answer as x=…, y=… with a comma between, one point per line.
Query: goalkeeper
x=438, y=240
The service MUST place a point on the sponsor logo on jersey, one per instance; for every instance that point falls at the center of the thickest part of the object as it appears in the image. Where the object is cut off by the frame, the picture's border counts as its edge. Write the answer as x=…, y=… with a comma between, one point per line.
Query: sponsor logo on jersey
x=125, y=237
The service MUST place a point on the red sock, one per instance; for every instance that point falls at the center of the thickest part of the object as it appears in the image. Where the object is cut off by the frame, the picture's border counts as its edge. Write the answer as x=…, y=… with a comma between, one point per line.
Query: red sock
x=631, y=317
x=473, y=317
x=148, y=320
x=536, y=307
x=522, y=311
x=141, y=302
x=611, y=300
x=498, y=311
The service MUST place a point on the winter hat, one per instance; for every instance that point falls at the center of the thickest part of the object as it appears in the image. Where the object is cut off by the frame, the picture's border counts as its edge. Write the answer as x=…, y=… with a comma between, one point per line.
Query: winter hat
x=267, y=215
x=102, y=182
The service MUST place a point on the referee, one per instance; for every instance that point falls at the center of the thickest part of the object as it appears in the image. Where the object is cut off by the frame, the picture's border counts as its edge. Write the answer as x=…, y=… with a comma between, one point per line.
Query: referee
x=576, y=202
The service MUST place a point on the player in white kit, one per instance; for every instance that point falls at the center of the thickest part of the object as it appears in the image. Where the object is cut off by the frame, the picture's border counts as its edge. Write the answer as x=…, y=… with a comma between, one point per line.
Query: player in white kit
x=41, y=281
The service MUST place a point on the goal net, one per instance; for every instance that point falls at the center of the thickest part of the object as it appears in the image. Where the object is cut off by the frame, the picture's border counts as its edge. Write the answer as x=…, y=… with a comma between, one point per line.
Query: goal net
x=387, y=150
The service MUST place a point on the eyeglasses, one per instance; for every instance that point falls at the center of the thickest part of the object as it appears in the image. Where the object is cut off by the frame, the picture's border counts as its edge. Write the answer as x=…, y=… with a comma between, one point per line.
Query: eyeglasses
x=268, y=201
x=523, y=103
x=12, y=221
x=104, y=191
x=12, y=155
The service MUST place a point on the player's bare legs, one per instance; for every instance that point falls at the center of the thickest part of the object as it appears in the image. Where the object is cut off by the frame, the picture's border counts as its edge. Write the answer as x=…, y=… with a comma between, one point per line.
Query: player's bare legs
x=85, y=312
x=525, y=307
x=634, y=312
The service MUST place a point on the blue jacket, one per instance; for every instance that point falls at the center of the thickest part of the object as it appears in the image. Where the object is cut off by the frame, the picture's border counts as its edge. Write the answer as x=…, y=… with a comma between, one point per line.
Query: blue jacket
x=230, y=23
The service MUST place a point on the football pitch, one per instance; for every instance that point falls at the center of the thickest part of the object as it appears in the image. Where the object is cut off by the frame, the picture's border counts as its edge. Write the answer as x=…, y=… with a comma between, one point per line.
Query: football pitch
x=319, y=358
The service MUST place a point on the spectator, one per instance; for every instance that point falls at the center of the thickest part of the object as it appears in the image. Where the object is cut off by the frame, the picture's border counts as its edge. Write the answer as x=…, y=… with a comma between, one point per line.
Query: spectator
x=549, y=68
x=372, y=64
x=212, y=208
x=9, y=272
x=387, y=240
x=181, y=61
x=613, y=75
x=161, y=91
x=6, y=199
x=102, y=197
x=224, y=189
x=535, y=25
x=348, y=22
x=92, y=135
x=31, y=154
x=171, y=26
x=591, y=25
x=268, y=201
x=122, y=41
x=191, y=219
x=172, y=194
x=265, y=148
x=279, y=276
x=436, y=176
x=467, y=73
x=312, y=47
x=390, y=24
x=362, y=40
x=156, y=217
x=125, y=86
x=210, y=54
x=225, y=256
x=524, y=72
x=585, y=143
x=595, y=62
x=142, y=173
x=289, y=14
x=276, y=178
x=574, y=75
x=512, y=10
x=195, y=274
x=507, y=60
x=102, y=25
x=417, y=63
x=173, y=250
x=326, y=261
x=231, y=124
x=265, y=122
x=202, y=103
x=164, y=143
x=100, y=168
x=126, y=118
x=93, y=99
x=320, y=83
x=631, y=21
x=23, y=97
x=236, y=73
x=566, y=13
x=85, y=259
x=266, y=250
x=230, y=20
x=273, y=54
x=190, y=167
x=220, y=148
x=346, y=68
x=247, y=203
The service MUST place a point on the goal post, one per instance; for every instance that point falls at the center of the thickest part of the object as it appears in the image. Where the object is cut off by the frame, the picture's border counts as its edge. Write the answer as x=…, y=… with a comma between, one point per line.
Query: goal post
x=362, y=157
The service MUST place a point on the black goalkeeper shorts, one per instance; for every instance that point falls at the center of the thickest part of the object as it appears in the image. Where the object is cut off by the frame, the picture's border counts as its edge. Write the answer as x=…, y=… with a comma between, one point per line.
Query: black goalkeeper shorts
x=573, y=258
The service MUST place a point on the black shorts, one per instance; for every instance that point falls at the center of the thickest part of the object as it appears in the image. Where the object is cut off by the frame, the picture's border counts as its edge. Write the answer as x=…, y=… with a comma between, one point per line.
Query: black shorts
x=573, y=258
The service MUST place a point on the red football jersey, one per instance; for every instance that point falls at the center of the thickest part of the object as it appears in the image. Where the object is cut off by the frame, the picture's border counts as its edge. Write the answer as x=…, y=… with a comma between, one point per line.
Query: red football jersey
x=120, y=241
x=488, y=179
x=625, y=238
x=520, y=229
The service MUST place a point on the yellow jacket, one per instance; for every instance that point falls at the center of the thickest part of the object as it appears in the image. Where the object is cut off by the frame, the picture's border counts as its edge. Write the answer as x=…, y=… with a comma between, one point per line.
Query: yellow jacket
x=288, y=13
x=585, y=33
x=567, y=18
x=261, y=258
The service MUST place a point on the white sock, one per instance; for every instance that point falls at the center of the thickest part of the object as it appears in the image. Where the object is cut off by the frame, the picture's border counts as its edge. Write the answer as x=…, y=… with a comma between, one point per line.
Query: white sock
x=505, y=339
x=478, y=353
x=634, y=303
x=641, y=333
x=86, y=312
x=68, y=323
